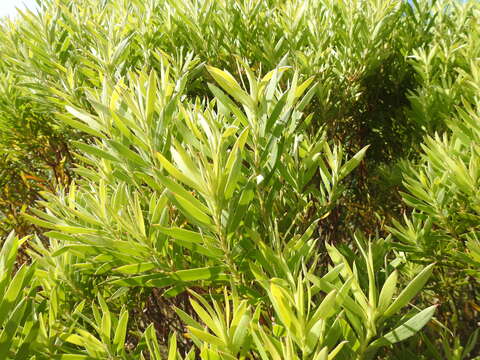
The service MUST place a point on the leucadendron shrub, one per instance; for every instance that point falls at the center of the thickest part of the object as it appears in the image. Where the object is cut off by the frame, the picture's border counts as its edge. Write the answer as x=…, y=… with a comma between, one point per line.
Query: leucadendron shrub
x=441, y=187
x=444, y=67
x=357, y=51
x=34, y=152
x=19, y=325
x=443, y=227
x=216, y=195
x=194, y=204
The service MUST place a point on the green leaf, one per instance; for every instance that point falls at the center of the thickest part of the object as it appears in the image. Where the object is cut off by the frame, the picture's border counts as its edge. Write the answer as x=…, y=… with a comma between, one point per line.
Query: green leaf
x=10, y=328
x=86, y=118
x=172, y=347
x=410, y=291
x=13, y=292
x=212, y=273
x=242, y=329
x=159, y=280
x=190, y=210
x=136, y=268
x=106, y=324
x=186, y=235
x=126, y=153
x=192, y=240
x=206, y=337
x=8, y=255
x=187, y=166
x=151, y=96
x=93, y=150
x=228, y=83
x=73, y=357
x=387, y=292
x=407, y=329
x=224, y=100
x=121, y=331
x=352, y=163
x=152, y=343
x=209, y=319
x=336, y=350
x=177, y=174
x=281, y=302
x=322, y=355
x=324, y=310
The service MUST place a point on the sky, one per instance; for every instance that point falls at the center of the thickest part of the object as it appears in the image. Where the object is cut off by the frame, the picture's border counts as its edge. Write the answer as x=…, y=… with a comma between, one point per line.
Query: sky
x=7, y=7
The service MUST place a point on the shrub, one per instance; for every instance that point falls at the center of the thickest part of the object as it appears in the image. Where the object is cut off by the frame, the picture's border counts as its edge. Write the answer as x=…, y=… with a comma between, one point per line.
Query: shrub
x=216, y=180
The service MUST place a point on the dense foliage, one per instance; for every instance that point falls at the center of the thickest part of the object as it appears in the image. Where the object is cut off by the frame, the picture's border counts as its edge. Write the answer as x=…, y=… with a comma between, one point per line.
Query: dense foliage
x=230, y=179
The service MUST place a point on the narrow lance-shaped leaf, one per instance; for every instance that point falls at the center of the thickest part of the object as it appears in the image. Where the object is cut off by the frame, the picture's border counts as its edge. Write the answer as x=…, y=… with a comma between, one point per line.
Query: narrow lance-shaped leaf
x=387, y=292
x=230, y=85
x=407, y=329
x=352, y=163
x=410, y=291
x=121, y=331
